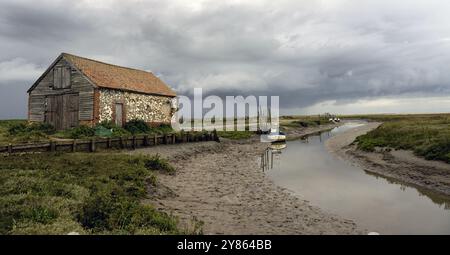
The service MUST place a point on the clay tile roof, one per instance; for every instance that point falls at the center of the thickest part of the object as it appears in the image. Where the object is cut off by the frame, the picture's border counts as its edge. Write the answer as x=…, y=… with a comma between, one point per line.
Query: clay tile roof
x=110, y=76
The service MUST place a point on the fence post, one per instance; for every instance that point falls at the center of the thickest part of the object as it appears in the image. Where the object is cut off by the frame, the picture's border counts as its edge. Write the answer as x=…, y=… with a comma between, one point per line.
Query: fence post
x=134, y=142
x=74, y=145
x=216, y=137
x=52, y=146
x=93, y=145
x=10, y=150
x=166, y=140
x=108, y=142
x=121, y=142
x=145, y=140
x=155, y=140
x=174, y=137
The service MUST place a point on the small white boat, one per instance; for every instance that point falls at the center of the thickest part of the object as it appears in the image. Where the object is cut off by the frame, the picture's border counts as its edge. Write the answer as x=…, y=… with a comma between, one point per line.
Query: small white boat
x=335, y=119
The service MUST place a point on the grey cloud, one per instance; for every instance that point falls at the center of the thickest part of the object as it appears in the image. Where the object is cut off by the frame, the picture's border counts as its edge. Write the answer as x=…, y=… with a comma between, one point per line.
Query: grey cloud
x=304, y=51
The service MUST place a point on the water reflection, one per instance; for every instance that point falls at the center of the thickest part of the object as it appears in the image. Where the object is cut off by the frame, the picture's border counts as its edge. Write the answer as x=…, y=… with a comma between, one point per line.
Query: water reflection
x=272, y=154
x=321, y=135
x=375, y=202
x=441, y=200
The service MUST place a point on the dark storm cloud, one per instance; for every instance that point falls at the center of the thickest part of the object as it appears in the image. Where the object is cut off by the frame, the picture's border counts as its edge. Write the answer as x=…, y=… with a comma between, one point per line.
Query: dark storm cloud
x=304, y=51
x=27, y=22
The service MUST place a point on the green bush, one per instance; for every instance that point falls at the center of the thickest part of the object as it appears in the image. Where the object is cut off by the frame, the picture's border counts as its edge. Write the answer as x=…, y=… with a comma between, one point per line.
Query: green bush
x=137, y=126
x=22, y=128
x=116, y=130
x=107, y=124
x=23, y=132
x=437, y=151
x=17, y=129
x=43, y=127
x=81, y=132
x=162, y=129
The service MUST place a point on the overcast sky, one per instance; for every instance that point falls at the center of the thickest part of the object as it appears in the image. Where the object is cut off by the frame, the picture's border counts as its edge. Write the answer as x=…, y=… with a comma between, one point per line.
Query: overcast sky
x=318, y=56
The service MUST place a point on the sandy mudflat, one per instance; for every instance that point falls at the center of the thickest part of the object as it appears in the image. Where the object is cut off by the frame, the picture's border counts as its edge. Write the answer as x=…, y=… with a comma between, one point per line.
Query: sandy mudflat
x=222, y=185
x=401, y=165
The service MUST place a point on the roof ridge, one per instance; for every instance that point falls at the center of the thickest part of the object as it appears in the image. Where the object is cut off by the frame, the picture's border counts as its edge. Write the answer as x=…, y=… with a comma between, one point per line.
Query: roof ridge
x=97, y=61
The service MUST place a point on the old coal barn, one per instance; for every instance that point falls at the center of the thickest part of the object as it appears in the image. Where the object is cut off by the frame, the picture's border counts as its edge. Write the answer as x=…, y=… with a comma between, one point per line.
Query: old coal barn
x=77, y=91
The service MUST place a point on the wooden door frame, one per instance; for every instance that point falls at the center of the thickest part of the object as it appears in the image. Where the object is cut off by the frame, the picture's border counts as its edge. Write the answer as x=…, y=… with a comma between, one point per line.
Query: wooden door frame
x=63, y=108
x=66, y=108
x=46, y=112
x=124, y=110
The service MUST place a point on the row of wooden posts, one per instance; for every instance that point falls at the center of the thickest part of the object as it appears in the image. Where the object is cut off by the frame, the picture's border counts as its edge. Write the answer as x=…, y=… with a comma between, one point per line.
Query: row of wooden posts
x=95, y=144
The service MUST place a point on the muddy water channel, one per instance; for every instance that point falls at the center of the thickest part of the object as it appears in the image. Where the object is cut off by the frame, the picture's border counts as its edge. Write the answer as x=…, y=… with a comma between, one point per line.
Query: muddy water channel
x=375, y=203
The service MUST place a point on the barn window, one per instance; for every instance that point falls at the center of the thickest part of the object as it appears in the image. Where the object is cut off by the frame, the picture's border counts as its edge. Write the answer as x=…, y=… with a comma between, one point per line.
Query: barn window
x=61, y=77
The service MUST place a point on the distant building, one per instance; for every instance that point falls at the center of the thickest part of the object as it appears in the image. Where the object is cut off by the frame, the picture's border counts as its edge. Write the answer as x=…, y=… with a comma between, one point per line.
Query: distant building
x=77, y=91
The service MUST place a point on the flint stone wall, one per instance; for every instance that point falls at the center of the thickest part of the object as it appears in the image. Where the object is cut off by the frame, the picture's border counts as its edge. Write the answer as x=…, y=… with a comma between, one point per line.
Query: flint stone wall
x=150, y=108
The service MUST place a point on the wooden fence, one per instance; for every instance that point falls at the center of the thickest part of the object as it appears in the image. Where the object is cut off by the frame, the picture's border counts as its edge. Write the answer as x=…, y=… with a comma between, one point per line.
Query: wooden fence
x=94, y=144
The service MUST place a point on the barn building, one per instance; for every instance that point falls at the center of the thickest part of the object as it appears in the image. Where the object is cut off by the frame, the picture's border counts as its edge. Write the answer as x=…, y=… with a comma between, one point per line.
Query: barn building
x=77, y=91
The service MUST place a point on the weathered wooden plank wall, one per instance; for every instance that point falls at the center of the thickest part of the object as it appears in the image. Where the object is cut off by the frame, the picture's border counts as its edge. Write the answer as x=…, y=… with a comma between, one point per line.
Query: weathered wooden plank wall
x=45, y=88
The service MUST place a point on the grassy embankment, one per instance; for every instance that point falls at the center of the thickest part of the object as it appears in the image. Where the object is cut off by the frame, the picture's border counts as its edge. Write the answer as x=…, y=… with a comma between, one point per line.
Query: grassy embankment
x=297, y=121
x=85, y=193
x=427, y=135
x=18, y=131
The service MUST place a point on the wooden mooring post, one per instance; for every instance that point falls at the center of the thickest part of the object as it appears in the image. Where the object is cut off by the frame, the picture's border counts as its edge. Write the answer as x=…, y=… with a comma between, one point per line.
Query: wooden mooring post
x=108, y=143
x=133, y=146
x=92, y=145
x=52, y=146
x=74, y=145
x=121, y=142
x=215, y=136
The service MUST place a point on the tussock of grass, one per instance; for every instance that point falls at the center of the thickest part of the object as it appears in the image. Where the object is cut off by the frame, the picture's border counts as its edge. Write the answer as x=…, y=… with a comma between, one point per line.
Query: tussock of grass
x=159, y=164
x=85, y=193
x=427, y=135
